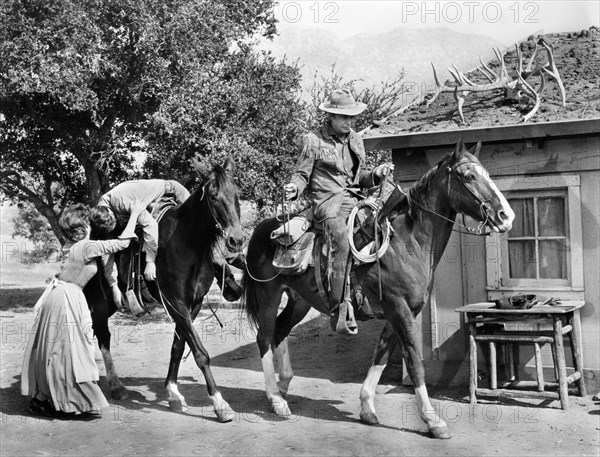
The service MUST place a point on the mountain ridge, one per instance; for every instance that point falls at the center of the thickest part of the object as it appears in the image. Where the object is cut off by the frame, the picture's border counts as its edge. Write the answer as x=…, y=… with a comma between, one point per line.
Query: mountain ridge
x=375, y=57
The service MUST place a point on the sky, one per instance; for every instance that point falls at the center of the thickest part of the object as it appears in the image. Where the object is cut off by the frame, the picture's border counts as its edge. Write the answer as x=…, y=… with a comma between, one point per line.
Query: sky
x=506, y=21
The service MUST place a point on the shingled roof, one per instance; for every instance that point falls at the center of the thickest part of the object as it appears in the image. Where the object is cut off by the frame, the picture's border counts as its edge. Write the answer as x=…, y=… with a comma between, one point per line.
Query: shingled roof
x=577, y=57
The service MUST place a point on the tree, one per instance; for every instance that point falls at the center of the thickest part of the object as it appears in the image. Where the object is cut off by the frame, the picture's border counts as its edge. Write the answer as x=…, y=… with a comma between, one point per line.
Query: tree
x=83, y=84
x=249, y=108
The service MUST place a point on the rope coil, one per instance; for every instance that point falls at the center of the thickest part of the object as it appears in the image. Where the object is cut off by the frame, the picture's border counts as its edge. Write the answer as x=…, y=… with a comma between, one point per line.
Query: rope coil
x=387, y=233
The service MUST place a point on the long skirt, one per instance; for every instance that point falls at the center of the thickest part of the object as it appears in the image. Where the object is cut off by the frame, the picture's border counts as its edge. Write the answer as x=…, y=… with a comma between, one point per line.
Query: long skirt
x=59, y=359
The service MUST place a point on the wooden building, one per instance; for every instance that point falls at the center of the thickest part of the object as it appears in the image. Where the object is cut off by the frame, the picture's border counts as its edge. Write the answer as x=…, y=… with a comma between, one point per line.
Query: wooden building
x=549, y=169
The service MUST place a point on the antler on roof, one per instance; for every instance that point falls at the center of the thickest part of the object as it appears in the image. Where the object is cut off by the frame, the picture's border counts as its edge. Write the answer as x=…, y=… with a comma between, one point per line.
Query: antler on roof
x=514, y=88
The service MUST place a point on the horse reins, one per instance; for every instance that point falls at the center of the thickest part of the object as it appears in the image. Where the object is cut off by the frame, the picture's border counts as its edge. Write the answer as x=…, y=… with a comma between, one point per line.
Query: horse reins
x=218, y=225
x=483, y=206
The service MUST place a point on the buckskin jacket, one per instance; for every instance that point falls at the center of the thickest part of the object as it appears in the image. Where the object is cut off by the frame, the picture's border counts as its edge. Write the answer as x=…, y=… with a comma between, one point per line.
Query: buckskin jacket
x=320, y=169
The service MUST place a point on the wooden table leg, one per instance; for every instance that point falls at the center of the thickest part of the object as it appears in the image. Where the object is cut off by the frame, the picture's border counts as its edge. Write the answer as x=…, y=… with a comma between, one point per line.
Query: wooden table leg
x=538, y=367
x=472, y=363
x=493, y=372
x=563, y=388
x=576, y=347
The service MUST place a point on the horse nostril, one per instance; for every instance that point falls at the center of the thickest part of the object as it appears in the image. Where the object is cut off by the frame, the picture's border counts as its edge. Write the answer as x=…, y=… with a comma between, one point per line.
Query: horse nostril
x=502, y=215
x=233, y=242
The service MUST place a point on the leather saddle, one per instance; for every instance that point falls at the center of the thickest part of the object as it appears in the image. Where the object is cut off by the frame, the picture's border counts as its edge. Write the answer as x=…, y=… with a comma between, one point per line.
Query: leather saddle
x=138, y=297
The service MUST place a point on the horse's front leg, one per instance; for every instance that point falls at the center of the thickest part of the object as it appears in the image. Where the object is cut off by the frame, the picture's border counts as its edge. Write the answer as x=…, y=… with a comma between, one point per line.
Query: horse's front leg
x=186, y=331
x=385, y=347
x=176, y=400
x=404, y=324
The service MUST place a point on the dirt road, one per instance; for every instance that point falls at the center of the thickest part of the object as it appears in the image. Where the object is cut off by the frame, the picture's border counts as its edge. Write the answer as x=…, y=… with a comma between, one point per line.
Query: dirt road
x=329, y=370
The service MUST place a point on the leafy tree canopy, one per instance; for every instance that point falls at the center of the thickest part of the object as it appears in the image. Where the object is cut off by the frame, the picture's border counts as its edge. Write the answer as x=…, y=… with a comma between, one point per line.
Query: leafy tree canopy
x=94, y=92
x=88, y=85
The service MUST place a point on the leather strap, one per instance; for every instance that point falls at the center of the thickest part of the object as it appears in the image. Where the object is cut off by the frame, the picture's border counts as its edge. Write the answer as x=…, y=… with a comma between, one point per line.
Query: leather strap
x=318, y=277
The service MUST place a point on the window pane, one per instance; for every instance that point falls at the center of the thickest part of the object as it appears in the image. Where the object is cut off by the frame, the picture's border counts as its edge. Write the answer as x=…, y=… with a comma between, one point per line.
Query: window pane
x=553, y=259
x=521, y=259
x=551, y=216
x=523, y=225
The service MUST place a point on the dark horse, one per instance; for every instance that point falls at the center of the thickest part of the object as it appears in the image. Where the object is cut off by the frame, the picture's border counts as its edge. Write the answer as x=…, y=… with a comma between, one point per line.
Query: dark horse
x=422, y=224
x=185, y=271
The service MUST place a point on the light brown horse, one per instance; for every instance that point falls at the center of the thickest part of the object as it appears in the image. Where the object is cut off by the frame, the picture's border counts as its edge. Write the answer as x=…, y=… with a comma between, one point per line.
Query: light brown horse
x=422, y=224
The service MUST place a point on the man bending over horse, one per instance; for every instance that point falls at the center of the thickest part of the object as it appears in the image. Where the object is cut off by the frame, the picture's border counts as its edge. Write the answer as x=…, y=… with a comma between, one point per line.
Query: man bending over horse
x=331, y=167
x=114, y=208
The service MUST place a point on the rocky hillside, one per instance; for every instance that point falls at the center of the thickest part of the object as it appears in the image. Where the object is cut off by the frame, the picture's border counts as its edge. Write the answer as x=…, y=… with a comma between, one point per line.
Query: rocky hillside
x=577, y=57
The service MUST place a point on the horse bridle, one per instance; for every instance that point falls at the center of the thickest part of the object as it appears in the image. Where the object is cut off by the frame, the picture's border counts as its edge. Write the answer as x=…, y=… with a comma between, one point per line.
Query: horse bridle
x=483, y=205
x=218, y=225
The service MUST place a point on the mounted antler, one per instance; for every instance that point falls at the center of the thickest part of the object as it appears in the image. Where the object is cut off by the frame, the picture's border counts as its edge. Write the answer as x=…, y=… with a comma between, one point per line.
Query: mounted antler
x=514, y=88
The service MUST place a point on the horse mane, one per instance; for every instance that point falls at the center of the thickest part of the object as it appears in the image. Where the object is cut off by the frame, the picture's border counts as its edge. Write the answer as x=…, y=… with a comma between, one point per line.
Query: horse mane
x=406, y=203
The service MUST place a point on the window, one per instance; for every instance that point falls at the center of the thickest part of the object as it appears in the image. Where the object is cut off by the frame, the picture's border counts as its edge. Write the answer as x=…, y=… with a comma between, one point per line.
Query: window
x=542, y=253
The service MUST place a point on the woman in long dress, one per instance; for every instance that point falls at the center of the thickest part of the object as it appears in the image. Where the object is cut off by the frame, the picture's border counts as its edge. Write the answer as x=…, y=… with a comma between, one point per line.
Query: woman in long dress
x=59, y=371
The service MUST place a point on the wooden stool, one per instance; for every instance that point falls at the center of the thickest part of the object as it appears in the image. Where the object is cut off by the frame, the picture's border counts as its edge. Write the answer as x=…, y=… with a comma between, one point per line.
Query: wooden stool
x=487, y=324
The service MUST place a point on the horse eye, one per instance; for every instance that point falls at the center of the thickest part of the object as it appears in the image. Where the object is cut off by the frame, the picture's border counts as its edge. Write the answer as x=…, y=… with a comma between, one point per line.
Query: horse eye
x=470, y=177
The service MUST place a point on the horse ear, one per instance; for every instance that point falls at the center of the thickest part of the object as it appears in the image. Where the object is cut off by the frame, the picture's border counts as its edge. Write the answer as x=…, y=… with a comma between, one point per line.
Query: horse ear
x=200, y=169
x=458, y=149
x=229, y=165
x=476, y=149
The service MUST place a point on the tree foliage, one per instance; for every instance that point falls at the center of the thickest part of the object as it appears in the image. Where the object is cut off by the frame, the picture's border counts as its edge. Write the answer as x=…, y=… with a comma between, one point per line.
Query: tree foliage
x=83, y=83
x=94, y=92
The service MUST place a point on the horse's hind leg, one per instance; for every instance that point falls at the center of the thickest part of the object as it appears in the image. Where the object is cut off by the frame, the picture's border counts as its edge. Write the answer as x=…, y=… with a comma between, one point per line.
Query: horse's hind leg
x=98, y=302
x=385, y=347
x=404, y=324
x=265, y=336
x=293, y=313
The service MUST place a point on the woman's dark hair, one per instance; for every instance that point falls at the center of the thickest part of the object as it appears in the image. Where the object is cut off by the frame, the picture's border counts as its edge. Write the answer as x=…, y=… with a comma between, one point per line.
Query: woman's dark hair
x=103, y=220
x=75, y=221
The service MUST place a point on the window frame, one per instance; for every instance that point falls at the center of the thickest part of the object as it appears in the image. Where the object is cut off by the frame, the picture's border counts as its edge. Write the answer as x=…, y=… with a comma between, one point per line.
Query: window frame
x=498, y=282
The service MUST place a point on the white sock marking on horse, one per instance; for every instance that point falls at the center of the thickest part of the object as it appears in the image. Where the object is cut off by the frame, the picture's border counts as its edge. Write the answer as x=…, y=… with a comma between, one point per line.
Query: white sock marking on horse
x=286, y=373
x=173, y=392
x=279, y=405
x=427, y=412
x=367, y=391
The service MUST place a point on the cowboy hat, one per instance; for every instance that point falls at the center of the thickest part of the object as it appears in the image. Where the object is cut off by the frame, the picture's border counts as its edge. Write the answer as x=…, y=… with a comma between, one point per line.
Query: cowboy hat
x=342, y=102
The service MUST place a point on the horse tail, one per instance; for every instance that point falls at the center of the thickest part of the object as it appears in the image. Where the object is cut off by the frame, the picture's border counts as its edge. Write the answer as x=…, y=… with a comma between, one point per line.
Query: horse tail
x=249, y=301
x=259, y=256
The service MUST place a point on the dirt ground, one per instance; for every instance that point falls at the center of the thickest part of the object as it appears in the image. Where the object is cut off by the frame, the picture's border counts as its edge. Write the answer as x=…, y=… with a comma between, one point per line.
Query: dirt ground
x=329, y=370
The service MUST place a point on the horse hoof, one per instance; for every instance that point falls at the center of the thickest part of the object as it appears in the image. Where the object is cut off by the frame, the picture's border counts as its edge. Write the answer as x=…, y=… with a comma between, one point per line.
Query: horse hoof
x=440, y=433
x=225, y=414
x=119, y=394
x=369, y=418
x=178, y=406
x=281, y=409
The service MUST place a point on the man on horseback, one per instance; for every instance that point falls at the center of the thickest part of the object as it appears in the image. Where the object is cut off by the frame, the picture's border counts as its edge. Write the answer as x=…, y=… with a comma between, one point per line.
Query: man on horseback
x=114, y=208
x=331, y=166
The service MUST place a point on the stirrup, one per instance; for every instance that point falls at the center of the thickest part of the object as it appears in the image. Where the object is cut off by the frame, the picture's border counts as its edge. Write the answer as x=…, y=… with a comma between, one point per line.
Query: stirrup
x=346, y=323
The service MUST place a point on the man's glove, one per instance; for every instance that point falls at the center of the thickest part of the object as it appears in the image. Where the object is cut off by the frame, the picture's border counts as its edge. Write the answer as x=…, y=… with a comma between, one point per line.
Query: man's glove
x=379, y=170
